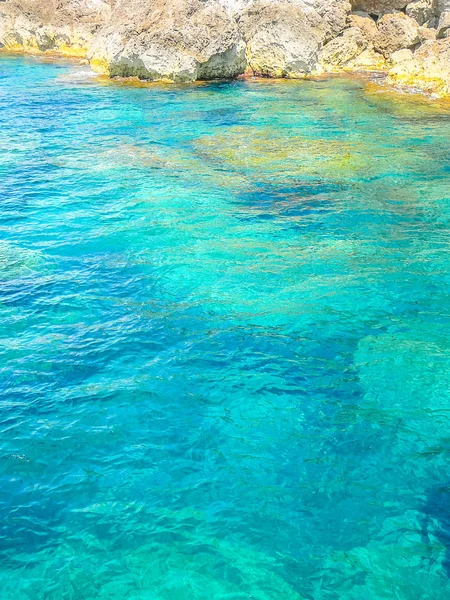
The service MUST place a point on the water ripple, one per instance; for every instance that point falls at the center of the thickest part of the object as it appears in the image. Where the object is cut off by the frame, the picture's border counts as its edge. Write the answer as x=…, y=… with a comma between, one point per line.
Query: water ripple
x=223, y=340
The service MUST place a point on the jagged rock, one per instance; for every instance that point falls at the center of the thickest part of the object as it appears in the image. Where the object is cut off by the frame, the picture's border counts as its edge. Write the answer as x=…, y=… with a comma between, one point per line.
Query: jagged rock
x=428, y=68
x=170, y=40
x=365, y=23
x=344, y=48
x=443, y=25
x=378, y=7
x=156, y=60
x=178, y=40
x=281, y=41
x=395, y=31
x=422, y=11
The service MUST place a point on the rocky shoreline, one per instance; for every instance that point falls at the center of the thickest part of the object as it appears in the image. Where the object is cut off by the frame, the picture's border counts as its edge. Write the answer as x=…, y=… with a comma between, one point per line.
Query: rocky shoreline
x=189, y=40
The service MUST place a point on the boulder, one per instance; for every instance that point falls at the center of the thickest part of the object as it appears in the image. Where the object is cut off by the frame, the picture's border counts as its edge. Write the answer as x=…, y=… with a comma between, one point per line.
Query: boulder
x=281, y=39
x=395, y=31
x=378, y=7
x=170, y=40
x=422, y=11
x=442, y=6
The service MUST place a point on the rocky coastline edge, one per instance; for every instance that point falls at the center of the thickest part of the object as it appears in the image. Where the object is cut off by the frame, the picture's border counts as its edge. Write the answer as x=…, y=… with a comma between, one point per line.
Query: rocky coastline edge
x=190, y=40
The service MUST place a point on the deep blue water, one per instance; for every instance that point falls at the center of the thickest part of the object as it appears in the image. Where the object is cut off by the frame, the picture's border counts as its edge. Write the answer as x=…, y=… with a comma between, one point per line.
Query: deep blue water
x=224, y=340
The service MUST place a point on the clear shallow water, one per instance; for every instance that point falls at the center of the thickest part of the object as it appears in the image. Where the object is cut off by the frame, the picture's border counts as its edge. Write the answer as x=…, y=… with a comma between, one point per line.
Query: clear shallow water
x=224, y=341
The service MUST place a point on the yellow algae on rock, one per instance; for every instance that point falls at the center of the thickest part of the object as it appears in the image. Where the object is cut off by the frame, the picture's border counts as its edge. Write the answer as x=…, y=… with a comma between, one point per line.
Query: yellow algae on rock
x=427, y=69
x=72, y=50
x=99, y=65
x=368, y=60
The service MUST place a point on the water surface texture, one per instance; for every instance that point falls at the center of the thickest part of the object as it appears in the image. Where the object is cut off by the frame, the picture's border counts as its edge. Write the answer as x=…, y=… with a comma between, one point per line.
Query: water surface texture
x=224, y=341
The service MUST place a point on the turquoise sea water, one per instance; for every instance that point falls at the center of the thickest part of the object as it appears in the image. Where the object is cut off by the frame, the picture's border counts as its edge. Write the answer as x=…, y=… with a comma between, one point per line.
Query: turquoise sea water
x=224, y=340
